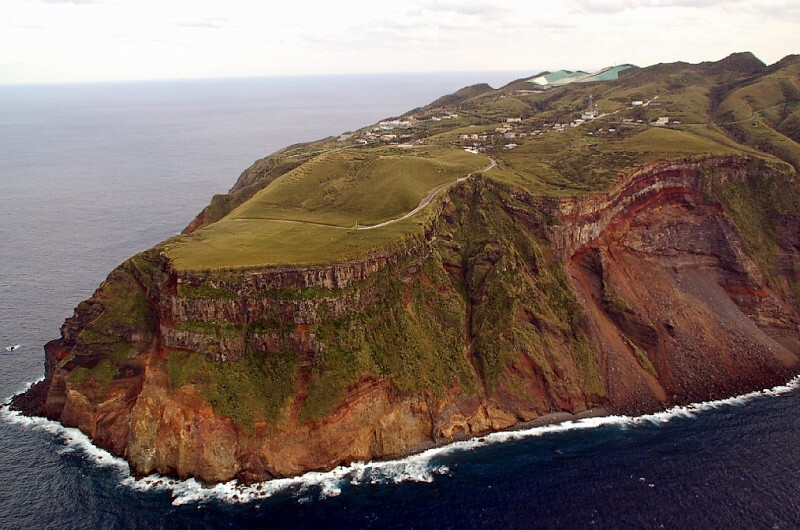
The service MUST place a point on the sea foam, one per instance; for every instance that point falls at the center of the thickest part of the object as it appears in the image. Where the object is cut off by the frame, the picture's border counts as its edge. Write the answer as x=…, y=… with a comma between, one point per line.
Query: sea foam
x=420, y=467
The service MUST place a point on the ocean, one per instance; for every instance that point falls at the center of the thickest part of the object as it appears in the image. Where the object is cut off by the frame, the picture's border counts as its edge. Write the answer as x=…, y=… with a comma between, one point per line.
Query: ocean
x=93, y=173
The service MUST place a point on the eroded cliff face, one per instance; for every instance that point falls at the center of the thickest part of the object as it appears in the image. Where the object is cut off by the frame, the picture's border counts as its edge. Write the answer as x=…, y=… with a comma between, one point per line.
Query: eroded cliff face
x=508, y=308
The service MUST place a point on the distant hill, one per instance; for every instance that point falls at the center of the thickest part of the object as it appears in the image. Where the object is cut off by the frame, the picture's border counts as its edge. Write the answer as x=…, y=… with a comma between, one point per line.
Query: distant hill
x=462, y=95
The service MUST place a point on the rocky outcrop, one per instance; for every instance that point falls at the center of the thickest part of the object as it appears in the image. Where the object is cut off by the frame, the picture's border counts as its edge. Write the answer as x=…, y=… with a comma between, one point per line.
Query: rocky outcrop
x=584, y=219
x=669, y=288
x=508, y=308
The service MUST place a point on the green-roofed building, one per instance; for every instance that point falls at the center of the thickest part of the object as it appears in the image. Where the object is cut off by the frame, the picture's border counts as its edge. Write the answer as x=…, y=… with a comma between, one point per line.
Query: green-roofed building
x=565, y=77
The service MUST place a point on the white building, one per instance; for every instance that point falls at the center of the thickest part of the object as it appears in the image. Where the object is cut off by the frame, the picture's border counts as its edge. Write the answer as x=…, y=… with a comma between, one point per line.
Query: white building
x=591, y=110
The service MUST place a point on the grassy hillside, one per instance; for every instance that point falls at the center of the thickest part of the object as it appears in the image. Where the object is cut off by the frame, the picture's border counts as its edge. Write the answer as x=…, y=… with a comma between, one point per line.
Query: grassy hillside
x=766, y=112
x=241, y=244
x=302, y=205
x=317, y=206
x=347, y=186
x=573, y=163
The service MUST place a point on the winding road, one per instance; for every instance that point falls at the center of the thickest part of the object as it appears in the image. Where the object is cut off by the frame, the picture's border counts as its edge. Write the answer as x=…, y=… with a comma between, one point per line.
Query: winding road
x=423, y=203
x=428, y=198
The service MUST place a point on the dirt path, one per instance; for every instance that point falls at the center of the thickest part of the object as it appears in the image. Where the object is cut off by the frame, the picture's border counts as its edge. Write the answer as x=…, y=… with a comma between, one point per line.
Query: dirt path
x=428, y=198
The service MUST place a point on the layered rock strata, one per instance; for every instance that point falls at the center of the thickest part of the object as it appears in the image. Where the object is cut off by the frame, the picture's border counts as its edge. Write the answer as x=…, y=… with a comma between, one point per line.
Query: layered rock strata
x=508, y=308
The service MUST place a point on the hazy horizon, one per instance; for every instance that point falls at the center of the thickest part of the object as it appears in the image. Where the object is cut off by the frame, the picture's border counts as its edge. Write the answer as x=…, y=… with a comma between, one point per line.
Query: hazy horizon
x=498, y=73
x=57, y=41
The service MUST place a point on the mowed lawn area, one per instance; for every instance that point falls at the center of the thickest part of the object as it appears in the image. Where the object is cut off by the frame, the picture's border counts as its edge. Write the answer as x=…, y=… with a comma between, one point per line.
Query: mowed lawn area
x=309, y=215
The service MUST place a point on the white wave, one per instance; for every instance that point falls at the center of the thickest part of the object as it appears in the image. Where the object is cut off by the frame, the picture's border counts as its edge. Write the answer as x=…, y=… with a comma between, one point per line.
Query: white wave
x=73, y=439
x=420, y=467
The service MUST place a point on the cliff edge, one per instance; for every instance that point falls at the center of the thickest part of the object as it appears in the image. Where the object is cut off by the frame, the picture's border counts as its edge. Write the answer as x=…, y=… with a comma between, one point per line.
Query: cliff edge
x=297, y=327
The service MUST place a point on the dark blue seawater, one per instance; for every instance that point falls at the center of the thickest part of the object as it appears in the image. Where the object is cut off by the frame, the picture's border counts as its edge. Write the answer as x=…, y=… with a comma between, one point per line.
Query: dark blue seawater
x=90, y=174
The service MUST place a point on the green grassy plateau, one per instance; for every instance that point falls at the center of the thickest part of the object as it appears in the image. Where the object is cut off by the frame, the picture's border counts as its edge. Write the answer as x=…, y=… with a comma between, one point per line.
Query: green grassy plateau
x=309, y=204
x=321, y=204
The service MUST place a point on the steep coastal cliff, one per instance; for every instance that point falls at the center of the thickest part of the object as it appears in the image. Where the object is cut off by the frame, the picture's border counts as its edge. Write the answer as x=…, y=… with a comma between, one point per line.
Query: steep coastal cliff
x=504, y=302
x=474, y=328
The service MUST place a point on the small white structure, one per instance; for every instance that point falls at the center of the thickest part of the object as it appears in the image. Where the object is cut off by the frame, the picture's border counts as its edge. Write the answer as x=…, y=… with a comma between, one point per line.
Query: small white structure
x=394, y=124
x=591, y=110
x=513, y=120
x=637, y=103
x=660, y=122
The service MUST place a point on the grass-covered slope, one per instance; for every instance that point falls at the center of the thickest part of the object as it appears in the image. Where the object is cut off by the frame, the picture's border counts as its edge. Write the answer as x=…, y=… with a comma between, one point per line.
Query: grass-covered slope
x=321, y=204
x=345, y=187
x=301, y=205
x=765, y=113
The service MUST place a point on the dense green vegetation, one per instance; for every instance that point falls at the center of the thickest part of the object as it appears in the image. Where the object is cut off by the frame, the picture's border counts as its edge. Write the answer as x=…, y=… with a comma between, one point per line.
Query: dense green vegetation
x=256, y=387
x=122, y=315
x=756, y=204
x=414, y=336
x=103, y=373
x=441, y=329
x=124, y=303
x=242, y=244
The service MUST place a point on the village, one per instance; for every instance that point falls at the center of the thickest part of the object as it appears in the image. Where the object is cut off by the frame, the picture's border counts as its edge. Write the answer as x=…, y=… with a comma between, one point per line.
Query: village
x=510, y=133
x=514, y=131
x=396, y=132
